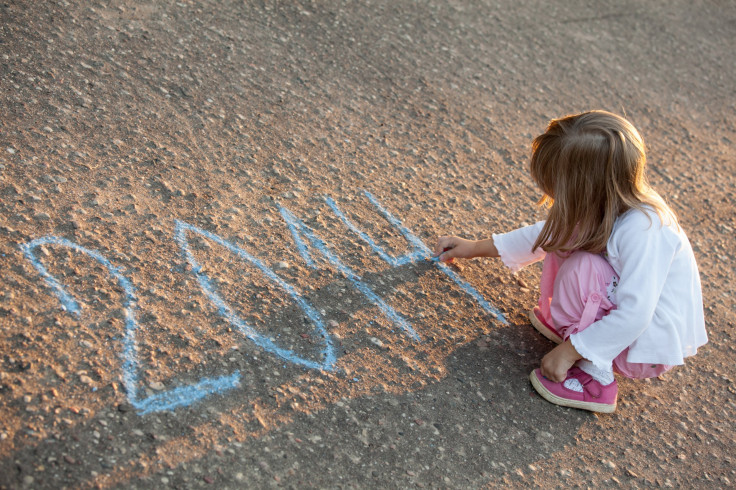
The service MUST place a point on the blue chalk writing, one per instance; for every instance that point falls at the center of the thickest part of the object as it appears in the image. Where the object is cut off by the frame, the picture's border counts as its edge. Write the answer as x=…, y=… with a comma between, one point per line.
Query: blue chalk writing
x=413, y=256
x=306, y=241
x=177, y=397
x=328, y=353
x=298, y=228
x=419, y=251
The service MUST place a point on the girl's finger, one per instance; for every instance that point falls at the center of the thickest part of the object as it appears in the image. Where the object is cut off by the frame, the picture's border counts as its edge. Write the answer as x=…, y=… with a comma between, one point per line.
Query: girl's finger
x=443, y=256
x=443, y=245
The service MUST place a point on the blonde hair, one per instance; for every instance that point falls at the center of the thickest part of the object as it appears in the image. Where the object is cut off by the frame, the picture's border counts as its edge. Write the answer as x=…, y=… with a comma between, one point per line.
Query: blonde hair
x=590, y=167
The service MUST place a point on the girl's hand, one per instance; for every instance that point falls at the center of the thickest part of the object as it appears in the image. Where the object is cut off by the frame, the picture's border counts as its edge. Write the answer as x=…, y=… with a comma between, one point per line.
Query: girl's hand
x=450, y=247
x=558, y=361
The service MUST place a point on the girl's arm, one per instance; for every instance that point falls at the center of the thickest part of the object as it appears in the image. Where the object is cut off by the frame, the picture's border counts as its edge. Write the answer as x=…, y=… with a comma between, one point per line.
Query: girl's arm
x=451, y=247
x=514, y=247
x=558, y=361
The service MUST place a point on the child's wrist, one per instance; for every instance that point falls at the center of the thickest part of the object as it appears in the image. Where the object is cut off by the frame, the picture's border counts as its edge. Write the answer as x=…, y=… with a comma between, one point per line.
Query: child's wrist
x=484, y=248
x=571, y=352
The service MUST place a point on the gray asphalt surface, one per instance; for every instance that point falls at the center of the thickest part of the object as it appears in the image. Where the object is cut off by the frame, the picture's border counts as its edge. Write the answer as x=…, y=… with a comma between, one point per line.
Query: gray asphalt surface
x=183, y=305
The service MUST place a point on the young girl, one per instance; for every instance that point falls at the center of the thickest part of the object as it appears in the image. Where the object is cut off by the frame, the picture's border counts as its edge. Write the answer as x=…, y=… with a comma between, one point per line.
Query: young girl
x=620, y=290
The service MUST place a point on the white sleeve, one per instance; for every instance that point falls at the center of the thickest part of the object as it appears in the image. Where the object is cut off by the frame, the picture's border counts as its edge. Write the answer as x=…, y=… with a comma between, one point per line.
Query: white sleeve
x=515, y=247
x=643, y=252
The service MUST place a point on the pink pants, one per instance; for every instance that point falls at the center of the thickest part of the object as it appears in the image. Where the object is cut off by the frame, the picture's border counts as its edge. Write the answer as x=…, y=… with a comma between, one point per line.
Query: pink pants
x=578, y=289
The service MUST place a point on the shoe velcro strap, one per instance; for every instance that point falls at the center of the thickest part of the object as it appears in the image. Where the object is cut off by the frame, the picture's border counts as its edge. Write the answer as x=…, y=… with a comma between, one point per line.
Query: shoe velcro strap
x=593, y=389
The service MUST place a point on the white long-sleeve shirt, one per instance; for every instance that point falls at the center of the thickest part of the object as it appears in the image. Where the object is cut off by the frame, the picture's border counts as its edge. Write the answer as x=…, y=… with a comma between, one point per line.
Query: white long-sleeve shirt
x=659, y=313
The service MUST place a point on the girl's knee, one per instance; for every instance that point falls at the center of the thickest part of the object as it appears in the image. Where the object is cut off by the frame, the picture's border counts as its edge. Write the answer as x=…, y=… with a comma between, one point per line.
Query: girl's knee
x=581, y=291
x=587, y=264
x=585, y=272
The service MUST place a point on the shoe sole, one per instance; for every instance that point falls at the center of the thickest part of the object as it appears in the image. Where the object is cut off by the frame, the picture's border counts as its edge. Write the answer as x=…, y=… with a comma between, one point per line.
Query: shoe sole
x=564, y=402
x=543, y=329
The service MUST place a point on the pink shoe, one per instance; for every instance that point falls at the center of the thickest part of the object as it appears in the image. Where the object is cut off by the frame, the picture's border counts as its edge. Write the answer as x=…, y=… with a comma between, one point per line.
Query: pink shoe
x=594, y=397
x=537, y=322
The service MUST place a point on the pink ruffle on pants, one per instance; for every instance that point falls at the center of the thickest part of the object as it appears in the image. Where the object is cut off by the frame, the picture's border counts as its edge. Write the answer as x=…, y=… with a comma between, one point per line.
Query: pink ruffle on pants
x=574, y=293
